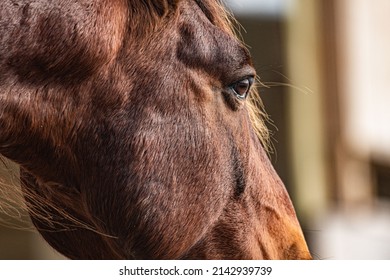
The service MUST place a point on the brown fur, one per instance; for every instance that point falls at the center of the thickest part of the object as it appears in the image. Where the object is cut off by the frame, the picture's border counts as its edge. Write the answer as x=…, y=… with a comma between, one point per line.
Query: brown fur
x=130, y=141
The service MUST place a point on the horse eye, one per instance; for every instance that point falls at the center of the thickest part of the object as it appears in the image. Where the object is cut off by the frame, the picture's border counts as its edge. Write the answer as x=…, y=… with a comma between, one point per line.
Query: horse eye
x=241, y=88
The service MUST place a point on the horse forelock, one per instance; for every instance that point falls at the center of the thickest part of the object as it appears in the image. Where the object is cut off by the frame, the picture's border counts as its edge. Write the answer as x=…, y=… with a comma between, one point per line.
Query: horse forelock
x=146, y=14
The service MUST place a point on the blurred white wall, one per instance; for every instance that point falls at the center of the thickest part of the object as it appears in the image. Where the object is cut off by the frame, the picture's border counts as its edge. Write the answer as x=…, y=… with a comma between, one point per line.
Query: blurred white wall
x=362, y=234
x=364, y=45
x=359, y=228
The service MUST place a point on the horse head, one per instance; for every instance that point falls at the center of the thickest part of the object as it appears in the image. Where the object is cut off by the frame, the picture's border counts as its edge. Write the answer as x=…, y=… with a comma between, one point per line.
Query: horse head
x=133, y=126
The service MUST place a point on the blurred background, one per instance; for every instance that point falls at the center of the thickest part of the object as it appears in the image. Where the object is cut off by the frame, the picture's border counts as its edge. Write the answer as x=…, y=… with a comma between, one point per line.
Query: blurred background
x=325, y=66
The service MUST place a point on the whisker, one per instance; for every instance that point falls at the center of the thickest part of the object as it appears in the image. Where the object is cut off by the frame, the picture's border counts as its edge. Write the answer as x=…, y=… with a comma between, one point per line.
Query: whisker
x=305, y=90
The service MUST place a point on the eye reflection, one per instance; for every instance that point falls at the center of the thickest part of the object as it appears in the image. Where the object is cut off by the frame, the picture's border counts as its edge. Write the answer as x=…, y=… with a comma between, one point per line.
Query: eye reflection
x=241, y=88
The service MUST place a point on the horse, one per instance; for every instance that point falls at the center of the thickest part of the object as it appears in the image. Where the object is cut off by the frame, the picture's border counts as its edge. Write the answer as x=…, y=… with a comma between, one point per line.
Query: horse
x=135, y=128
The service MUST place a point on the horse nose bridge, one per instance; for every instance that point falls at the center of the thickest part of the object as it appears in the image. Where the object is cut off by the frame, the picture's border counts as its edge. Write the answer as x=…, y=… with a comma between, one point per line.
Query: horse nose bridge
x=279, y=234
x=295, y=246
